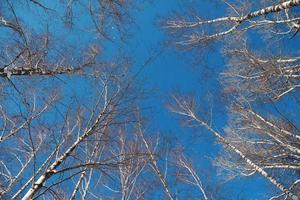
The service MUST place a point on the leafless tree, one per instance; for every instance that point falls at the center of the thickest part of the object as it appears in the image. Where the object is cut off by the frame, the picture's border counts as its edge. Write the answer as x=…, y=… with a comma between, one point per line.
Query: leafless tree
x=69, y=125
x=240, y=19
x=186, y=108
x=188, y=174
x=62, y=104
x=260, y=139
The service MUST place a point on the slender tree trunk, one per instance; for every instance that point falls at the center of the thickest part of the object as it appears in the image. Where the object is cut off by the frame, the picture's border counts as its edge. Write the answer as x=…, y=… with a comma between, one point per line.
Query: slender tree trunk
x=249, y=162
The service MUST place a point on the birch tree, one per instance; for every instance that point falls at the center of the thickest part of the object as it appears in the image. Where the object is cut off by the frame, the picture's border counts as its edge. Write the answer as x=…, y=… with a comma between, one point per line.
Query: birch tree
x=69, y=125
x=257, y=80
x=62, y=103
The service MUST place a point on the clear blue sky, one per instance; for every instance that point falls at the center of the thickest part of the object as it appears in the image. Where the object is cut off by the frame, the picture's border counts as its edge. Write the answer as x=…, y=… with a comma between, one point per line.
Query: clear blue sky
x=173, y=70
x=176, y=71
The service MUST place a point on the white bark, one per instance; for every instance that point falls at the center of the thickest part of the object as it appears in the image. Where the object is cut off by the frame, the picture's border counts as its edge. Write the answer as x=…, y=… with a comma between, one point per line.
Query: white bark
x=52, y=168
x=184, y=109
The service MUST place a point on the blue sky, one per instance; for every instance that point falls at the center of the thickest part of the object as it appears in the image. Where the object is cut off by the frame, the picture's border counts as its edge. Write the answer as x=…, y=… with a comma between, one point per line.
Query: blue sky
x=170, y=71
x=176, y=71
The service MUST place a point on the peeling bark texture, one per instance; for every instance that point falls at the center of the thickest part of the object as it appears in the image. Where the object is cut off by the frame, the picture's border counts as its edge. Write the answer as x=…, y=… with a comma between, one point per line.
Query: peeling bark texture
x=271, y=9
x=5, y=72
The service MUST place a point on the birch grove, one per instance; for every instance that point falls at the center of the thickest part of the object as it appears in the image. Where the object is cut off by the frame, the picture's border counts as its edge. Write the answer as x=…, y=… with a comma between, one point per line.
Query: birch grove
x=260, y=136
x=71, y=126
x=73, y=123
x=67, y=113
